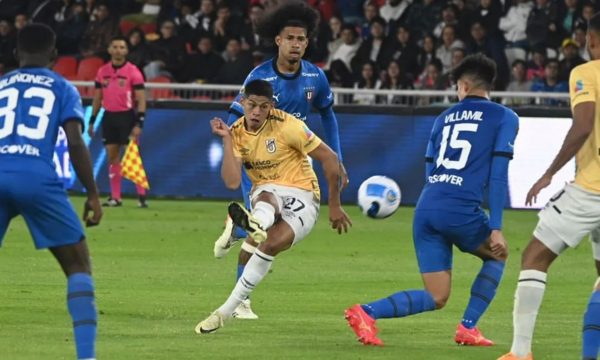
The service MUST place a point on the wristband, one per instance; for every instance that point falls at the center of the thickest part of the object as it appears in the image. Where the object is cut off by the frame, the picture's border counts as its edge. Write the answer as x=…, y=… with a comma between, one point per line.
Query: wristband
x=139, y=121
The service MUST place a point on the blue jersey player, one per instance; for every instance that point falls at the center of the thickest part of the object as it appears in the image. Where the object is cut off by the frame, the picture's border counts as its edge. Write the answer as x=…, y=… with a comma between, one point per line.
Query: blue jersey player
x=34, y=103
x=470, y=147
x=298, y=86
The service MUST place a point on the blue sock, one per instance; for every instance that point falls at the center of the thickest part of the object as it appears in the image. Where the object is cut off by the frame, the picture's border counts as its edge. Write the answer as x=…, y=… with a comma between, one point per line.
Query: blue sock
x=400, y=304
x=239, y=233
x=483, y=291
x=82, y=308
x=591, y=328
x=240, y=270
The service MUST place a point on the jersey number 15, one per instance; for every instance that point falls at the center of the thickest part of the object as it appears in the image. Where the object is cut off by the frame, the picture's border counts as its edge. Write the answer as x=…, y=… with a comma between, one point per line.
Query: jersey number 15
x=41, y=113
x=455, y=143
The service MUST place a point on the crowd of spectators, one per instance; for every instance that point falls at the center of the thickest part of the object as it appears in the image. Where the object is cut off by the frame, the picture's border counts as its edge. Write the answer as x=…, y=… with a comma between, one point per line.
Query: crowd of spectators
x=373, y=44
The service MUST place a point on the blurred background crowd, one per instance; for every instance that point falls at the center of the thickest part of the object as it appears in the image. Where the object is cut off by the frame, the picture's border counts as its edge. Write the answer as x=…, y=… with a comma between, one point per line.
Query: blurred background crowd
x=374, y=44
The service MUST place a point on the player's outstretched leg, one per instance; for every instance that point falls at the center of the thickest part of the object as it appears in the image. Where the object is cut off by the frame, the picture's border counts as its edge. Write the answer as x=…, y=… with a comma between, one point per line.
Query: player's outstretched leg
x=74, y=260
x=483, y=292
x=232, y=234
x=361, y=318
x=591, y=326
x=247, y=221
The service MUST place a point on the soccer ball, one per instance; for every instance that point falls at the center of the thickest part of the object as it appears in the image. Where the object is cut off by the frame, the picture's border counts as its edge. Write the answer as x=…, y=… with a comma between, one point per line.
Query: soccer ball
x=378, y=197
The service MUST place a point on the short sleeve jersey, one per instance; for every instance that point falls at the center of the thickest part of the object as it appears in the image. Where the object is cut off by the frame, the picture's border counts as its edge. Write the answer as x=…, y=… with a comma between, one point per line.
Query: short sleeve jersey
x=277, y=152
x=34, y=103
x=118, y=85
x=583, y=87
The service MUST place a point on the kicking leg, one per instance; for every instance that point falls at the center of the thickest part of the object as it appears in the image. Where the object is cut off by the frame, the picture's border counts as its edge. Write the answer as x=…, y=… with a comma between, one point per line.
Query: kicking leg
x=75, y=263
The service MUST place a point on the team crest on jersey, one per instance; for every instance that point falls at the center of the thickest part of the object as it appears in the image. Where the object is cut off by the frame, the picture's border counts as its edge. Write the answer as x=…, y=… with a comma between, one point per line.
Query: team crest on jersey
x=309, y=94
x=271, y=147
x=105, y=83
x=122, y=82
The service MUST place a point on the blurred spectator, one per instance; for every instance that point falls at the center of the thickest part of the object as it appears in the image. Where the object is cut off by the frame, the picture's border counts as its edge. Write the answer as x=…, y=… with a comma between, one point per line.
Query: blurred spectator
x=422, y=17
x=351, y=11
x=550, y=83
x=347, y=50
x=587, y=10
x=514, y=24
x=206, y=15
x=537, y=64
x=394, y=12
x=432, y=80
x=139, y=51
x=542, y=24
x=371, y=48
x=519, y=82
x=8, y=43
x=571, y=58
x=187, y=24
x=166, y=53
x=449, y=42
x=334, y=34
x=98, y=33
x=62, y=11
x=569, y=17
x=579, y=37
x=403, y=50
x=90, y=9
x=488, y=13
x=20, y=21
x=225, y=27
x=238, y=63
x=42, y=11
x=450, y=17
x=367, y=80
x=327, y=8
x=339, y=76
x=482, y=43
x=447, y=80
x=204, y=65
x=250, y=39
x=394, y=78
x=427, y=52
x=70, y=31
x=371, y=11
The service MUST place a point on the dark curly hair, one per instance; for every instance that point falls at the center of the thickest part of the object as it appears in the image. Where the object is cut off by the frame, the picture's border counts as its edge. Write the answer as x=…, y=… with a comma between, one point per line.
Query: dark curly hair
x=292, y=13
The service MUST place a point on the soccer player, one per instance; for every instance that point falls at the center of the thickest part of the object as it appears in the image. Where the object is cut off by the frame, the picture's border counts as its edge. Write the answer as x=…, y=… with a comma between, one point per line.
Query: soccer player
x=34, y=103
x=570, y=215
x=298, y=86
x=470, y=147
x=272, y=145
x=116, y=83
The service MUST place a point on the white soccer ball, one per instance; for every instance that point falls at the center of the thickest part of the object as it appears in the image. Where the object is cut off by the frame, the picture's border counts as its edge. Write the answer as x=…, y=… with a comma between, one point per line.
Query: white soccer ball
x=378, y=197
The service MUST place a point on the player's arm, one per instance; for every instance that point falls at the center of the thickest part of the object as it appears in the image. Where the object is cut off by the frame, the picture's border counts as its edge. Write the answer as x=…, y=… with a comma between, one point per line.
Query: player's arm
x=96, y=104
x=82, y=164
x=583, y=103
x=231, y=168
x=140, y=99
x=329, y=161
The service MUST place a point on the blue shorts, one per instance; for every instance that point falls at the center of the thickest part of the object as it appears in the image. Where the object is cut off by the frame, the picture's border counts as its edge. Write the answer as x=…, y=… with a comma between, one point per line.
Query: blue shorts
x=43, y=203
x=435, y=231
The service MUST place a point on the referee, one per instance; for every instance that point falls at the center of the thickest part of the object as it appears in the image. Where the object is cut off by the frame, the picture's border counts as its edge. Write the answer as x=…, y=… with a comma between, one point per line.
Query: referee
x=116, y=83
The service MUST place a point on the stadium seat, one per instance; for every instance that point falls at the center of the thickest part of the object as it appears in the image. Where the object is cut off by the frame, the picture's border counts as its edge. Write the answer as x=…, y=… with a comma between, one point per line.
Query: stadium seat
x=161, y=93
x=88, y=68
x=126, y=26
x=148, y=28
x=66, y=66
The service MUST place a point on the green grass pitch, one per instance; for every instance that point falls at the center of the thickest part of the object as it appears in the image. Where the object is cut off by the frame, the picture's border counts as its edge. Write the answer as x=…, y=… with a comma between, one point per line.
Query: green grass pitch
x=156, y=278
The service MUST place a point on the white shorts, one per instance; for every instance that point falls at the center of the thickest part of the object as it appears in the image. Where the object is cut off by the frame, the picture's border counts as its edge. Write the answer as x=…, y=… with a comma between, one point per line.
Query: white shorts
x=299, y=208
x=570, y=215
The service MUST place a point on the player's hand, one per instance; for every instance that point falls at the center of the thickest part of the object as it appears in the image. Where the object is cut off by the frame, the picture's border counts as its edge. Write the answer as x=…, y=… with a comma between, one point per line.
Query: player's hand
x=338, y=219
x=498, y=244
x=343, y=178
x=91, y=131
x=92, y=205
x=543, y=182
x=219, y=127
x=136, y=132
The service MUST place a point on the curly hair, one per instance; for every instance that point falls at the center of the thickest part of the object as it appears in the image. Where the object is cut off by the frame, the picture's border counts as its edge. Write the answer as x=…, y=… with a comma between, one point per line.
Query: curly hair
x=293, y=13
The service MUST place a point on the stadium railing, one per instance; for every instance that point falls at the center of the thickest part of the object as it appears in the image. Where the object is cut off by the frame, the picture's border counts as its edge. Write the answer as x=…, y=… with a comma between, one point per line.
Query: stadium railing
x=216, y=93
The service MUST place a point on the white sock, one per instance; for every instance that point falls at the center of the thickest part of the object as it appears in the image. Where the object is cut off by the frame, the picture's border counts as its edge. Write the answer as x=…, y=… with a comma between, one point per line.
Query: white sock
x=258, y=266
x=528, y=299
x=264, y=213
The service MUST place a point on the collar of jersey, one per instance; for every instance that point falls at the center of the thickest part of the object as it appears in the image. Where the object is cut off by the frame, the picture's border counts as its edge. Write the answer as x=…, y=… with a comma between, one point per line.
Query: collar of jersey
x=286, y=76
x=475, y=97
x=117, y=67
x=255, y=133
